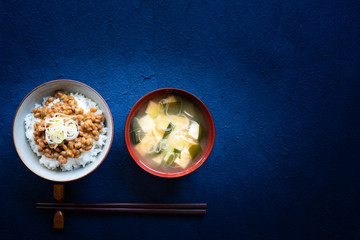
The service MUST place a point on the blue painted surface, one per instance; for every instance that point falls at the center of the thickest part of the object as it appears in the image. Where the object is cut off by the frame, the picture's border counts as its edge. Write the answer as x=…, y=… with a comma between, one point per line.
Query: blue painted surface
x=281, y=79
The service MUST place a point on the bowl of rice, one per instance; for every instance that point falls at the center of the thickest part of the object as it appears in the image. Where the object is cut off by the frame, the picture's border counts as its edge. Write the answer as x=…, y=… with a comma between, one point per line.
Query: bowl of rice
x=63, y=130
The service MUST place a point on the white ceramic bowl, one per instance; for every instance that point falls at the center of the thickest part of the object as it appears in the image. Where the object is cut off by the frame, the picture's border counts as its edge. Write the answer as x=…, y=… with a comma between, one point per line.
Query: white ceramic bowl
x=22, y=146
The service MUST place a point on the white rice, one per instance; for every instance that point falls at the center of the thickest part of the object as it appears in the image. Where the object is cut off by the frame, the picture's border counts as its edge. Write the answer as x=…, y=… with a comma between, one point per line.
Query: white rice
x=72, y=163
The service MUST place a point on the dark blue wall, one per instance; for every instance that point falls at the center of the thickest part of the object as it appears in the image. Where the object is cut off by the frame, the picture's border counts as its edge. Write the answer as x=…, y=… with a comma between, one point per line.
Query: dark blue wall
x=281, y=79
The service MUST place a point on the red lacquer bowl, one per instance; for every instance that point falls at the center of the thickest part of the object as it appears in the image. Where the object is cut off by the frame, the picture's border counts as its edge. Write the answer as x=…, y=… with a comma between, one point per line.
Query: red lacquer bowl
x=209, y=139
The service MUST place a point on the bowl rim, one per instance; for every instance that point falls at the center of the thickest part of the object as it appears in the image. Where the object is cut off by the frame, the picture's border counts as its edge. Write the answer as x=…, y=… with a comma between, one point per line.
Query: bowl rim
x=84, y=85
x=187, y=95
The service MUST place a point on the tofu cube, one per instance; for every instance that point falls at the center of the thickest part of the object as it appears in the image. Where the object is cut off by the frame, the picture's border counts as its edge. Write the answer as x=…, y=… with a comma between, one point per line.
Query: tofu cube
x=152, y=109
x=159, y=158
x=183, y=159
x=180, y=122
x=194, y=130
x=163, y=123
x=146, y=123
x=158, y=133
x=146, y=144
x=171, y=99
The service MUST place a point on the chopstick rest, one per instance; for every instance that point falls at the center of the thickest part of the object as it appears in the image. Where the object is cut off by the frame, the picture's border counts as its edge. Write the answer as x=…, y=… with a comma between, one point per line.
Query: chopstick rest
x=59, y=196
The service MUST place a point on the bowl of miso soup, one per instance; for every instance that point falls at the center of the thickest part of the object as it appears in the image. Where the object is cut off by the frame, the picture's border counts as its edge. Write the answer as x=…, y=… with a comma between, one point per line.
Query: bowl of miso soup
x=169, y=132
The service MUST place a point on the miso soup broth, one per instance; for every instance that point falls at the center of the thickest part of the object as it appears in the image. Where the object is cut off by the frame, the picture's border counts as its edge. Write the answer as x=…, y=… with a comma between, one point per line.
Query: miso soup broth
x=168, y=133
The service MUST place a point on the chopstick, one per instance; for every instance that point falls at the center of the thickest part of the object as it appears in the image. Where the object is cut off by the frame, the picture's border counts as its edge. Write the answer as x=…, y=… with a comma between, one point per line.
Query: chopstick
x=129, y=205
x=154, y=208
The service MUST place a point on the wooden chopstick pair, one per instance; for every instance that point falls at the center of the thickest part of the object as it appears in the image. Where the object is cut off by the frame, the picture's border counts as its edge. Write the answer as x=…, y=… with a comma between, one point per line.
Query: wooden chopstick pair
x=198, y=209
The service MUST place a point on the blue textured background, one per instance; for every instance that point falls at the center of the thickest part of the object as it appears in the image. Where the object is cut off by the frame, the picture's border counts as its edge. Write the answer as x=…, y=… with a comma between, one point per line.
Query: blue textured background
x=281, y=79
